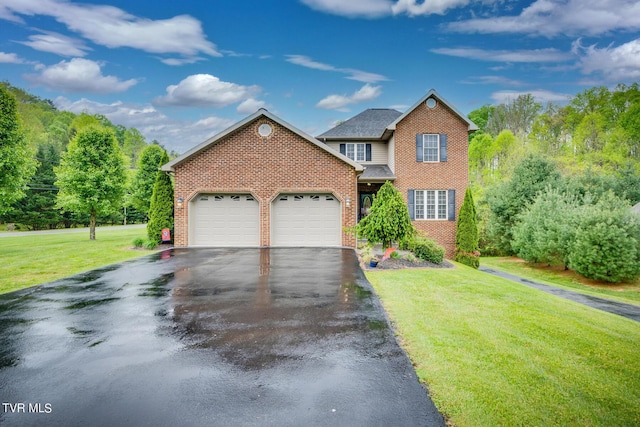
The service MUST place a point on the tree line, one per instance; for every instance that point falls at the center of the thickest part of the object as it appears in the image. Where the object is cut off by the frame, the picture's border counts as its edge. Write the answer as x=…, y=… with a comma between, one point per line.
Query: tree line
x=63, y=170
x=555, y=184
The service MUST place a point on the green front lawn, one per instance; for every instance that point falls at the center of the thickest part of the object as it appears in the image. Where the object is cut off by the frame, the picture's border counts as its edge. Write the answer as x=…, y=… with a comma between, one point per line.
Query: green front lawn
x=29, y=260
x=496, y=353
x=555, y=276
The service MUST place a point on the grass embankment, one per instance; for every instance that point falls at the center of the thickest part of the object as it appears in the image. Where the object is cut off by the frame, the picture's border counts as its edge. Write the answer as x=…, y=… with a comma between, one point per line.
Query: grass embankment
x=496, y=353
x=29, y=260
x=557, y=276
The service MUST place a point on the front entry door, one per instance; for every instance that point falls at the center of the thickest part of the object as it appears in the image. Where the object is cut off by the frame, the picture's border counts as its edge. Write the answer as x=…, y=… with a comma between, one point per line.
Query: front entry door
x=366, y=200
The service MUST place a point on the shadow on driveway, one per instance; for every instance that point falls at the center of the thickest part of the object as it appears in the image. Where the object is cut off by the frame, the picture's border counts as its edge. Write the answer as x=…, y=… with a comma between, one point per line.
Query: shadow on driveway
x=208, y=337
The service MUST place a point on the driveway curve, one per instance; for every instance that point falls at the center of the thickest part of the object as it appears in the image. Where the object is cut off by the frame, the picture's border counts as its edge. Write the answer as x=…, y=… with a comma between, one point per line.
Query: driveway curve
x=247, y=337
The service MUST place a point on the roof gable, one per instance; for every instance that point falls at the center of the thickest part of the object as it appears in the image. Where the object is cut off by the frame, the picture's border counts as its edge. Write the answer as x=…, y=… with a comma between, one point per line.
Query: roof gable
x=370, y=124
x=433, y=94
x=247, y=121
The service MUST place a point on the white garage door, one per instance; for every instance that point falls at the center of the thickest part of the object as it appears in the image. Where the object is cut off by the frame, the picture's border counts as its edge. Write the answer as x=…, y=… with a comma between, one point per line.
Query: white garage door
x=306, y=220
x=224, y=220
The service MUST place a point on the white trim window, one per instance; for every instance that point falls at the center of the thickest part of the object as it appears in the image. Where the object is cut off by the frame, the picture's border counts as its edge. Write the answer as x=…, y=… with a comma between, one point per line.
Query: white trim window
x=431, y=204
x=431, y=147
x=356, y=152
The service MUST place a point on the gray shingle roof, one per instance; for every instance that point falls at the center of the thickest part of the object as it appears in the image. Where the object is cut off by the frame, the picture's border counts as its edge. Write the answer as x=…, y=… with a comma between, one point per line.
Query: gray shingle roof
x=377, y=172
x=371, y=123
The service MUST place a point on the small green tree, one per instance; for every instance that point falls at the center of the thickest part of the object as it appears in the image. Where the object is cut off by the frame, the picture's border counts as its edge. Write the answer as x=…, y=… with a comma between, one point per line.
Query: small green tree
x=91, y=175
x=17, y=164
x=161, y=207
x=607, y=243
x=389, y=218
x=467, y=251
x=145, y=178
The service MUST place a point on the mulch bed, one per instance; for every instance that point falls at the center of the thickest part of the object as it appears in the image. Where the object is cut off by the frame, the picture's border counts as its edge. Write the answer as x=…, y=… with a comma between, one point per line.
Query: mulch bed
x=401, y=263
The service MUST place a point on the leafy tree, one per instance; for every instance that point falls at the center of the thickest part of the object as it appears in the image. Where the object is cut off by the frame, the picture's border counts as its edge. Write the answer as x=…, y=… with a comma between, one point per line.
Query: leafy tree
x=607, y=243
x=134, y=144
x=91, y=175
x=16, y=160
x=517, y=116
x=480, y=117
x=389, y=218
x=508, y=199
x=145, y=178
x=38, y=209
x=467, y=251
x=161, y=206
x=547, y=228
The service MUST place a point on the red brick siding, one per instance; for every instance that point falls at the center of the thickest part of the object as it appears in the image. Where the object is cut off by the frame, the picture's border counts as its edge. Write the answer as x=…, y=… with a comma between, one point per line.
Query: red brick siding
x=452, y=174
x=245, y=162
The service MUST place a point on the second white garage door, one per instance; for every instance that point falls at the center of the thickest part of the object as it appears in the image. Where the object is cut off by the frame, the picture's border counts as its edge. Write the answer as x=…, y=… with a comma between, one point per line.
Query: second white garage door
x=224, y=220
x=306, y=220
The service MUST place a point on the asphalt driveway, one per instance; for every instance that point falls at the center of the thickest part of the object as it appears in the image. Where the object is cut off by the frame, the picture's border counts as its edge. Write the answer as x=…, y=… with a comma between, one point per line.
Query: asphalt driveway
x=208, y=337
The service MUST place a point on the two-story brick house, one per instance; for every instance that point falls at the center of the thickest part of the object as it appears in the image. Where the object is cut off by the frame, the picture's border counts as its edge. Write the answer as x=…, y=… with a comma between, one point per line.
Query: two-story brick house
x=423, y=151
x=262, y=182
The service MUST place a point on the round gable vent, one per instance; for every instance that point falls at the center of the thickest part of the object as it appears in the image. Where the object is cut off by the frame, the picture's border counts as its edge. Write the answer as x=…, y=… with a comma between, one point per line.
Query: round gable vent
x=431, y=102
x=265, y=129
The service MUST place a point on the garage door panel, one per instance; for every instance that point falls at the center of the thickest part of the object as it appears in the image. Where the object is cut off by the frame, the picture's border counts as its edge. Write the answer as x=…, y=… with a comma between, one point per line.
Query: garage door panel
x=306, y=220
x=225, y=220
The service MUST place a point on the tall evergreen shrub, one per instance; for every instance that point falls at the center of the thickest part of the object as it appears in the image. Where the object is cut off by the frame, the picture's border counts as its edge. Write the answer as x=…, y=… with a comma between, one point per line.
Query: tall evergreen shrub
x=467, y=251
x=161, y=207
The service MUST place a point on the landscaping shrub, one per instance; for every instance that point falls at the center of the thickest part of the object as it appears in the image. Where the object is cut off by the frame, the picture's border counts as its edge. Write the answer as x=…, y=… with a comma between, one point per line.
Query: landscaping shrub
x=428, y=250
x=161, y=206
x=607, y=243
x=467, y=234
x=139, y=242
x=389, y=218
x=150, y=244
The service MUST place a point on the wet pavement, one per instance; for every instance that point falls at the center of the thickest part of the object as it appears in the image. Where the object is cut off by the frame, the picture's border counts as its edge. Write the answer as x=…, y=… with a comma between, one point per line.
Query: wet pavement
x=629, y=311
x=216, y=337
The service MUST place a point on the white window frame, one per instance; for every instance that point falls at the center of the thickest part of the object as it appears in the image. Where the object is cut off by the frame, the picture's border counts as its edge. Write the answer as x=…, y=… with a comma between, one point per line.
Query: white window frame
x=430, y=138
x=356, y=151
x=429, y=205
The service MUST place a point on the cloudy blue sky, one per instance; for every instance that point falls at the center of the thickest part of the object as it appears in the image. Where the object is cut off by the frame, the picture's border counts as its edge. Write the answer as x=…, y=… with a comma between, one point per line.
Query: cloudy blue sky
x=181, y=71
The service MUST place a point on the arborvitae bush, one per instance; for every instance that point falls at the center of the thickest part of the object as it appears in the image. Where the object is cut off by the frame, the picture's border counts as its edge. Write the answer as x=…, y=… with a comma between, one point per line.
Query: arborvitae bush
x=161, y=208
x=467, y=251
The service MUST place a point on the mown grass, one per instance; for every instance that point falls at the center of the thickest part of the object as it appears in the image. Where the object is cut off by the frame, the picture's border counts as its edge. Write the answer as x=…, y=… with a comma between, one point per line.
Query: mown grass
x=496, y=353
x=29, y=260
x=556, y=276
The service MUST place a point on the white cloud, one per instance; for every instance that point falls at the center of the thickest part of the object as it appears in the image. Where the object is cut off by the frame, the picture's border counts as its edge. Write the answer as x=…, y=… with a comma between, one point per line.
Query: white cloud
x=535, y=55
x=553, y=17
x=616, y=64
x=10, y=58
x=490, y=80
x=57, y=43
x=112, y=27
x=250, y=106
x=78, y=76
x=337, y=102
x=426, y=7
x=181, y=61
x=352, y=8
x=352, y=74
x=174, y=134
x=541, y=95
x=205, y=90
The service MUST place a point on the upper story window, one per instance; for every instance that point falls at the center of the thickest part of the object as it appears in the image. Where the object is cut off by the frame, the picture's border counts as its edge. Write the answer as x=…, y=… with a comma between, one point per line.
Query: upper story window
x=357, y=151
x=431, y=147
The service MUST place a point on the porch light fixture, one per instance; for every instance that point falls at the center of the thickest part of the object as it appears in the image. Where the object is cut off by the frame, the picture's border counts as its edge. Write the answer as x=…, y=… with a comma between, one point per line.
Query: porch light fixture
x=180, y=200
x=348, y=201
